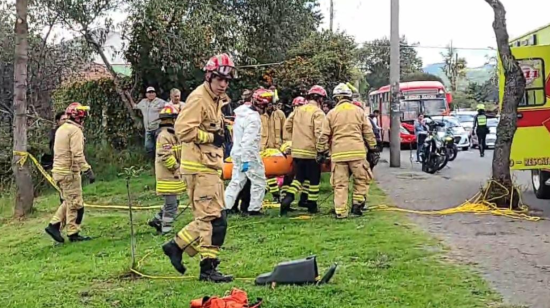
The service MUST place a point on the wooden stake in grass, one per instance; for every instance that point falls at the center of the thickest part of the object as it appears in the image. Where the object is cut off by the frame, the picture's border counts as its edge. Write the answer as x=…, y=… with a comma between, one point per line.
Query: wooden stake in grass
x=129, y=174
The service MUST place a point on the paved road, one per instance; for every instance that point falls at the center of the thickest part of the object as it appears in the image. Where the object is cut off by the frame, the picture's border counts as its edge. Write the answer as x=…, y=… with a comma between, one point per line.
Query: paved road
x=513, y=255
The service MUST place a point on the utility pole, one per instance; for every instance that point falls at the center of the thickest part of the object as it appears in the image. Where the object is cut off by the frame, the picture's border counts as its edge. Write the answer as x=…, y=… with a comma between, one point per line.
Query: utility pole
x=395, y=139
x=331, y=14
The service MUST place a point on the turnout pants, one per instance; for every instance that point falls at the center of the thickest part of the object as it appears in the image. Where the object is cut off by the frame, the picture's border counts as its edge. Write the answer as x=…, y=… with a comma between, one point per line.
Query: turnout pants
x=341, y=172
x=206, y=233
x=256, y=175
x=308, y=176
x=167, y=214
x=71, y=212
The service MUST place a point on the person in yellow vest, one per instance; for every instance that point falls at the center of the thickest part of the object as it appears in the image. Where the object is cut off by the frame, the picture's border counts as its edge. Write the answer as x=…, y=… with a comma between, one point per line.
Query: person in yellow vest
x=273, y=123
x=304, y=128
x=68, y=163
x=199, y=127
x=167, y=173
x=347, y=133
x=480, y=128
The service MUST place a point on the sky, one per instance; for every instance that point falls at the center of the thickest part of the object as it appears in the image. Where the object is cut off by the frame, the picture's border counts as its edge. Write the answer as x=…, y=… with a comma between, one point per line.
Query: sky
x=437, y=23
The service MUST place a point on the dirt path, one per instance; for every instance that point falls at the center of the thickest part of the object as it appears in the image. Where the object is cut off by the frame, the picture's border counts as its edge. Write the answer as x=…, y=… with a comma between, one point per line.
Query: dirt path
x=513, y=255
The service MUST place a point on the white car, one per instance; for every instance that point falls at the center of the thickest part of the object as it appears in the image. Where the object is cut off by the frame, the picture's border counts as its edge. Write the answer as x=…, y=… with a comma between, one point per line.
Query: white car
x=466, y=119
x=460, y=135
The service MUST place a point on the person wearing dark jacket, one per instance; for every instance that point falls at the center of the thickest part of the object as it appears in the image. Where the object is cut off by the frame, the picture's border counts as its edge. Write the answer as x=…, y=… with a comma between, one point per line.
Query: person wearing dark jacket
x=480, y=128
x=47, y=159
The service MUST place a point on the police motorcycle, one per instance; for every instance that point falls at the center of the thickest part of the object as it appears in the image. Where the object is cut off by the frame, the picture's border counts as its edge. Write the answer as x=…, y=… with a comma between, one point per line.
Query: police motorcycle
x=434, y=155
x=449, y=144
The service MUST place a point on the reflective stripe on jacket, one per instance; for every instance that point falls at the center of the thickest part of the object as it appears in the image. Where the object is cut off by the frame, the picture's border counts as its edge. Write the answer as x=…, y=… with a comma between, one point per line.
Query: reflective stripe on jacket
x=167, y=163
x=345, y=132
x=195, y=126
x=304, y=127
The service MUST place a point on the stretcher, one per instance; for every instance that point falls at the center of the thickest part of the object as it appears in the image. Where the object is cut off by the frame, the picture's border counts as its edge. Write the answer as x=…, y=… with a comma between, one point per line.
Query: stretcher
x=276, y=164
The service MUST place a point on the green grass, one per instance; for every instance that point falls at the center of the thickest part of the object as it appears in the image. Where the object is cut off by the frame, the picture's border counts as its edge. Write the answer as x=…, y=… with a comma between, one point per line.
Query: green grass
x=383, y=260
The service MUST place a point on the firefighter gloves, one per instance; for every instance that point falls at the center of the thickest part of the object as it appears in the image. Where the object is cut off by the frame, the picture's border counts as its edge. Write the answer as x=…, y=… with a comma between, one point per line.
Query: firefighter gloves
x=218, y=140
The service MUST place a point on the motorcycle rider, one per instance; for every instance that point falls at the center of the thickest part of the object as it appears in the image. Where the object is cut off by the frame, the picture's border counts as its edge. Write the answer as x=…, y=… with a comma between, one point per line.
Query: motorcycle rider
x=247, y=163
x=68, y=163
x=273, y=122
x=167, y=173
x=480, y=128
x=304, y=128
x=199, y=127
x=345, y=132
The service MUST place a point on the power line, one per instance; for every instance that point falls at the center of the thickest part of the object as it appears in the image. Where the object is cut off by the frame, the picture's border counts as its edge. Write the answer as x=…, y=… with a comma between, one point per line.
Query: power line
x=429, y=47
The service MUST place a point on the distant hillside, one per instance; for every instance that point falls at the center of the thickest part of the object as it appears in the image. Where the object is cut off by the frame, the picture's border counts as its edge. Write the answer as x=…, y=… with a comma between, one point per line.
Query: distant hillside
x=475, y=74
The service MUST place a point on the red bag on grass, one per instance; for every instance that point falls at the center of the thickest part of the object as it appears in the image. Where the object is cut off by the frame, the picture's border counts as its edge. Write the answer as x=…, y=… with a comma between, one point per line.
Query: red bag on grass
x=237, y=299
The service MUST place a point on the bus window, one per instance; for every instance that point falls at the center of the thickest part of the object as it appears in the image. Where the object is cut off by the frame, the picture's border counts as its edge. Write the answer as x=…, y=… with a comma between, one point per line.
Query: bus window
x=535, y=93
x=434, y=106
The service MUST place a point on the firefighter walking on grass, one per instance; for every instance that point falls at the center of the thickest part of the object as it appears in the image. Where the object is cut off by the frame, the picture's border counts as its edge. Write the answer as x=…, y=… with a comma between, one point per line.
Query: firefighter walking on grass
x=304, y=128
x=199, y=127
x=68, y=163
x=346, y=134
x=247, y=163
x=167, y=170
x=273, y=123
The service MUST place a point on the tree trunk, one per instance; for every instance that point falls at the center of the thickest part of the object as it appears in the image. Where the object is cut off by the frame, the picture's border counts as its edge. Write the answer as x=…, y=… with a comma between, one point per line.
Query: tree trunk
x=514, y=90
x=124, y=96
x=23, y=180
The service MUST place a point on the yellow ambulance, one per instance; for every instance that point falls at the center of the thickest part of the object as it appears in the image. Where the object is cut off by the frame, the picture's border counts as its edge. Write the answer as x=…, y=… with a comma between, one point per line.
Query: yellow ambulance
x=531, y=145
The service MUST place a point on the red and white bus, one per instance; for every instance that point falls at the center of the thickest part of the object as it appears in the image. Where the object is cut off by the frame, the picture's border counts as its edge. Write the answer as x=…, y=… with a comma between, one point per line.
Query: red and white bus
x=416, y=97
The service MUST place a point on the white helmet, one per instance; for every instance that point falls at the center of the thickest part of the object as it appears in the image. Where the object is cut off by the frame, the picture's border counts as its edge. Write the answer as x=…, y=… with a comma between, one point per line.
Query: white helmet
x=342, y=90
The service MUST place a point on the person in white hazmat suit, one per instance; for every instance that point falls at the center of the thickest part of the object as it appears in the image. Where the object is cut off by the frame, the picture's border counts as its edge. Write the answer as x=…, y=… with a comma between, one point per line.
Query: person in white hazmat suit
x=247, y=162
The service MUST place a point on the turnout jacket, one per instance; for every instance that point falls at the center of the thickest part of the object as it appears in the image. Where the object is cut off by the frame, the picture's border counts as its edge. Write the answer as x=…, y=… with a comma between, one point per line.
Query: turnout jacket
x=346, y=132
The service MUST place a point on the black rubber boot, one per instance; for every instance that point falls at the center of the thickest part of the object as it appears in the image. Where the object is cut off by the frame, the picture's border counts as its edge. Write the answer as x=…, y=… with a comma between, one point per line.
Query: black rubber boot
x=155, y=223
x=78, y=238
x=285, y=204
x=55, y=233
x=255, y=213
x=303, y=201
x=210, y=273
x=174, y=253
x=356, y=209
x=312, y=207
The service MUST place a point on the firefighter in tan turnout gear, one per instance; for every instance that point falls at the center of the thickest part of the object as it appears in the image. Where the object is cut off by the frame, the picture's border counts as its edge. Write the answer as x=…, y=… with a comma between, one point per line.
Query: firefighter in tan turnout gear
x=68, y=163
x=347, y=133
x=199, y=127
x=304, y=128
x=273, y=123
x=167, y=170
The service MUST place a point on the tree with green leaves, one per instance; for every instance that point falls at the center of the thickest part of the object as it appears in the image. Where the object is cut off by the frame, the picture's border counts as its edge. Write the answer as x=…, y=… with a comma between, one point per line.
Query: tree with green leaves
x=454, y=68
x=168, y=50
x=420, y=76
x=90, y=19
x=374, y=60
x=323, y=58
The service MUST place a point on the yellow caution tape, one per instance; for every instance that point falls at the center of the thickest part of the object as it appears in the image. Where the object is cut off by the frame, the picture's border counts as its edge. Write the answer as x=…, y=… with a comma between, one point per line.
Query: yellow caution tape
x=25, y=155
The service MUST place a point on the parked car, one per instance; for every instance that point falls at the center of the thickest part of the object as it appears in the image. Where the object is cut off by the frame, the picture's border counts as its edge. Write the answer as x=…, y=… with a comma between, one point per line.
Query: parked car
x=408, y=139
x=461, y=136
x=491, y=138
x=466, y=119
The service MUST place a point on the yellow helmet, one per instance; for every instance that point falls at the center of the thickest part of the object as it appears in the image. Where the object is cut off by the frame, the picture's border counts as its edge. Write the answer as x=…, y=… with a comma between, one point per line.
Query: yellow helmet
x=480, y=107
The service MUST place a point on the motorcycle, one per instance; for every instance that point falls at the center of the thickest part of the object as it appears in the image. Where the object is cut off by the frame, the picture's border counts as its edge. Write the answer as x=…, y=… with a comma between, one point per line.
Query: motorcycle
x=450, y=145
x=434, y=155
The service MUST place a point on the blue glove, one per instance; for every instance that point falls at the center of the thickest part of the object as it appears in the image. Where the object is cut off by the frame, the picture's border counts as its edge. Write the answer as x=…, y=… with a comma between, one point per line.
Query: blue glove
x=245, y=166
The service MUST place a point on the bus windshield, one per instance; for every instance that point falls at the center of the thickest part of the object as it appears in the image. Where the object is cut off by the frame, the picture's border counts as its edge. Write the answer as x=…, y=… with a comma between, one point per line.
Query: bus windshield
x=434, y=106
